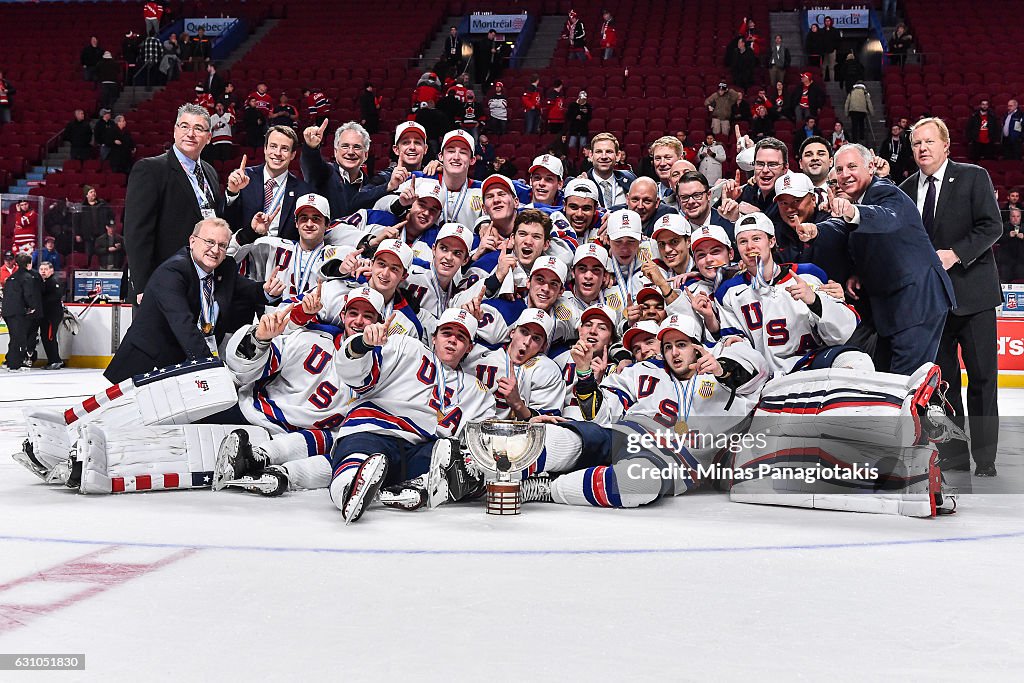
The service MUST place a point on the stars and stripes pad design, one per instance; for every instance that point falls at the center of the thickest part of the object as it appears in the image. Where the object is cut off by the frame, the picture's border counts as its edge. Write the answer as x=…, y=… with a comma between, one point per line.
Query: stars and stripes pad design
x=161, y=482
x=175, y=370
x=94, y=403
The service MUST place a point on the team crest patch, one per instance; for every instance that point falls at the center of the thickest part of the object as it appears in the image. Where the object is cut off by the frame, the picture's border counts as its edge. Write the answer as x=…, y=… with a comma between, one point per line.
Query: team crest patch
x=562, y=312
x=706, y=388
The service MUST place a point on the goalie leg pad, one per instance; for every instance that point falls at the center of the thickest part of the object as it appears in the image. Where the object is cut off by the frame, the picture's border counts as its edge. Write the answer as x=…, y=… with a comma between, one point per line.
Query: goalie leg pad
x=48, y=438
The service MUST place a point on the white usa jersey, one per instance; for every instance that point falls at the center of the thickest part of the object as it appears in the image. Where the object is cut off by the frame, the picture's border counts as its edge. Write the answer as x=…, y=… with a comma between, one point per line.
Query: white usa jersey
x=499, y=314
x=298, y=269
x=351, y=229
x=293, y=383
x=783, y=329
x=539, y=381
x=564, y=239
x=402, y=390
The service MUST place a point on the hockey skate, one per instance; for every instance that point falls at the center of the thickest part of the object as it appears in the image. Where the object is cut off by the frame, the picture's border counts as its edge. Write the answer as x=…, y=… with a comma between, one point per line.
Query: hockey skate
x=237, y=463
x=409, y=495
x=536, y=489
x=364, y=487
x=272, y=481
x=26, y=458
x=452, y=477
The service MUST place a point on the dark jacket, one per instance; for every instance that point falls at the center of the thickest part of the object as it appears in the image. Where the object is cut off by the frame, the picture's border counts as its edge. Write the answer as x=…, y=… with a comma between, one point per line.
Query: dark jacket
x=78, y=133
x=23, y=294
x=239, y=213
x=325, y=179
x=967, y=221
x=829, y=250
x=165, y=329
x=52, y=298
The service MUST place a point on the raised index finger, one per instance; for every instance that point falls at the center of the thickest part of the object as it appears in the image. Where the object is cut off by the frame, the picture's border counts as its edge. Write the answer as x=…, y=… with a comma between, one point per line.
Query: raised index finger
x=241, y=167
x=323, y=127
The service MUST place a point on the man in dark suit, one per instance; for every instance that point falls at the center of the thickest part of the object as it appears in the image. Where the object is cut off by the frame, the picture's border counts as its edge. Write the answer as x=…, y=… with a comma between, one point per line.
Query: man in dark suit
x=339, y=180
x=214, y=83
x=267, y=187
x=168, y=194
x=778, y=62
x=22, y=307
x=960, y=213
x=193, y=299
x=895, y=266
x=693, y=196
x=612, y=185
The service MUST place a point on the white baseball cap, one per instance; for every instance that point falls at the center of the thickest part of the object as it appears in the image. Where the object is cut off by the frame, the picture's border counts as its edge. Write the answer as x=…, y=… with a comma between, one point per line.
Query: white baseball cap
x=745, y=159
x=458, y=231
x=591, y=250
x=458, y=137
x=625, y=223
x=712, y=232
x=643, y=327
x=582, y=187
x=428, y=188
x=552, y=264
x=367, y=294
x=793, y=184
x=498, y=179
x=673, y=223
x=536, y=316
x=399, y=248
x=460, y=317
x=609, y=313
x=316, y=201
x=548, y=161
x=686, y=324
x=754, y=221
x=410, y=127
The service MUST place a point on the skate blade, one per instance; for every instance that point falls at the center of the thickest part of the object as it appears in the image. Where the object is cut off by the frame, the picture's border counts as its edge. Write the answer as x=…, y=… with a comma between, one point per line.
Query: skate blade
x=370, y=473
x=21, y=457
x=221, y=466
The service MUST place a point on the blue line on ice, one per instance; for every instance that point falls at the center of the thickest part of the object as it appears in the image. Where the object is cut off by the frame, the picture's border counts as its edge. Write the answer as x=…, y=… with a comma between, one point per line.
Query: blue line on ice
x=525, y=551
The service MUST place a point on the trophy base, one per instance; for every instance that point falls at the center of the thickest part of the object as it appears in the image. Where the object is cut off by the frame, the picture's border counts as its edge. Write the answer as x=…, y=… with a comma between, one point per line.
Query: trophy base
x=503, y=498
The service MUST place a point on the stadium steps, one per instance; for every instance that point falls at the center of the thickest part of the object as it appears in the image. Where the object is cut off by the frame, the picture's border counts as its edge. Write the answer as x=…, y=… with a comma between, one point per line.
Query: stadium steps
x=432, y=55
x=544, y=43
x=243, y=49
x=876, y=131
x=787, y=25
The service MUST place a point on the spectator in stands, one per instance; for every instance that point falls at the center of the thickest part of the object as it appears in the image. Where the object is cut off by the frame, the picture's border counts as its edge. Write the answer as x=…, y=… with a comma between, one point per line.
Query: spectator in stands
x=858, y=109
x=504, y=167
x=285, y=114
x=719, y=103
x=221, y=147
x=6, y=98
x=48, y=254
x=748, y=31
x=167, y=195
x=451, y=53
x=150, y=53
x=741, y=61
x=807, y=98
x=25, y=222
x=52, y=313
x=262, y=100
x=202, y=50
x=170, y=63
x=813, y=46
x=1012, y=131
x=122, y=147
x=109, y=248
x=22, y=305
x=186, y=46
x=838, y=135
x=341, y=179
x=214, y=83
x=829, y=46
x=711, y=156
x=531, y=105
x=555, y=108
x=1013, y=200
x=151, y=14
x=99, y=133
x=497, y=110
x=130, y=50
x=204, y=99
x=317, y=104
x=90, y=57
x=609, y=35
x=471, y=115
x=808, y=129
x=982, y=133
x=436, y=123
x=485, y=156
x=741, y=112
x=95, y=214
x=579, y=115
x=494, y=59
x=900, y=44
x=782, y=105
x=576, y=34
x=8, y=267
x=761, y=125
x=254, y=120
x=852, y=71
x=369, y=109
x=428, y=89
x=108, y=73
x=78, y=134
x=778, y=61
x=1011, y=248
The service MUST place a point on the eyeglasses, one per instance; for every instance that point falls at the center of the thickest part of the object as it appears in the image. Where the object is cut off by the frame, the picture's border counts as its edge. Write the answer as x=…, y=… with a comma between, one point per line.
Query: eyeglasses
x=695, y=197
x=185, y=128
x=773, y=165
x=344, y=147
x=211, y=244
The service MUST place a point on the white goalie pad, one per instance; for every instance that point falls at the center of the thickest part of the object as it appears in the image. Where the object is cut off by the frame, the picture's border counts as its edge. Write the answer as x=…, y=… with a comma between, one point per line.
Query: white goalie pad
x=48, y=437
x=868, y=407
x=152, y=458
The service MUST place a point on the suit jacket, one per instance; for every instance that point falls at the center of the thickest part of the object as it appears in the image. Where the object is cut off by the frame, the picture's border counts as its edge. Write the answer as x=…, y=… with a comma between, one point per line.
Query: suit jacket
x=785, y=56
x=165, y=328
x=214, y=85
x=967, y=221
x=898, y=268
x=239, y=213
x=160, y=212
x=623, y=178
x=325, y=179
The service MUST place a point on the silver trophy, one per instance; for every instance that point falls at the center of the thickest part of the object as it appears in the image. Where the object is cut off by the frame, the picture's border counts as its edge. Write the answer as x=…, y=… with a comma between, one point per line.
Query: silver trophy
x=504, y=448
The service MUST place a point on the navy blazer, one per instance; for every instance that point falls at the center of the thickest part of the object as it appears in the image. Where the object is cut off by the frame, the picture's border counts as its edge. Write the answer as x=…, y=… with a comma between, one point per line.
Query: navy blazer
x=325, y=179
x=898, y=268
x=623, y=178
x=165, y=328
x=239, y=213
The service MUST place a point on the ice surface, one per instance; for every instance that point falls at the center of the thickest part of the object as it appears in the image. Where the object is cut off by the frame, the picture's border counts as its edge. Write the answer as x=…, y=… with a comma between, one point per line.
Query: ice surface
x=196, y=585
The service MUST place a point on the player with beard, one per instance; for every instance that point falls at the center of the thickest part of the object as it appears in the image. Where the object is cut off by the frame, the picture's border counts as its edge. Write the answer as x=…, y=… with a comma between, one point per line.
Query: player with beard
x=800, y=327
x=407, y=397
x=290, y=387
x=434, y=287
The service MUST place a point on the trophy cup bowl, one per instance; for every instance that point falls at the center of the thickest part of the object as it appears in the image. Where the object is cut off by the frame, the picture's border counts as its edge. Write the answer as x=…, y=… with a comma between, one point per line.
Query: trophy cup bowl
x=504, y=448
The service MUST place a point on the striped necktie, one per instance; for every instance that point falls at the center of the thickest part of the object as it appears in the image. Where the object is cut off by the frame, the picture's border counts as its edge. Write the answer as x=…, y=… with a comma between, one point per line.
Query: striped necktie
x=203, y=187
x=268, y=194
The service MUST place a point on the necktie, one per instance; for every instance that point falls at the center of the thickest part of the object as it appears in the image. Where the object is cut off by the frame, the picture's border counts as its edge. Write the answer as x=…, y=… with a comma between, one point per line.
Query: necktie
x=201, y=181
x=819, y=195
x=928, y=212
x=268, y=194
x=606, y=193
x=207, y=309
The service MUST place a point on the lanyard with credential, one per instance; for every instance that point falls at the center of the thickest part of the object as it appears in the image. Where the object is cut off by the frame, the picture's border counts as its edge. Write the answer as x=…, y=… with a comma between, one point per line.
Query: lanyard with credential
x=207, y=200
x=208, y=307
x=278, y=196
x=458, y=204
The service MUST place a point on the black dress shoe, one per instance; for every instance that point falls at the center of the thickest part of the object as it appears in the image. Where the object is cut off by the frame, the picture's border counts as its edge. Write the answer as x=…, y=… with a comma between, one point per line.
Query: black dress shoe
x=948, y=465
x=985, y=470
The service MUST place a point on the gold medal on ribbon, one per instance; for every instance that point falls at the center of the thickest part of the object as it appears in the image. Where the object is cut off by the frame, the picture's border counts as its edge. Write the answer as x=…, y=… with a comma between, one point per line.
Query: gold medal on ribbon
x=680, y=427
x=207, y=328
